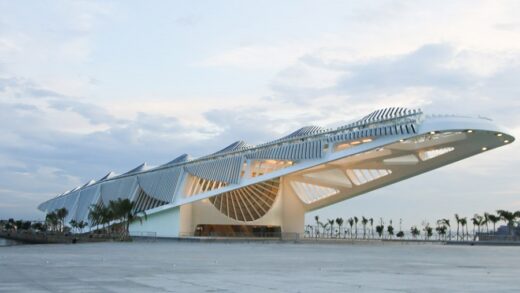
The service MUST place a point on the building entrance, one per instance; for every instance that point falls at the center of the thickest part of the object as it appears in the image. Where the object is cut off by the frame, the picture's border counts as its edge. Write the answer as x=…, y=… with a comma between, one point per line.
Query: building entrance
x=209, y=230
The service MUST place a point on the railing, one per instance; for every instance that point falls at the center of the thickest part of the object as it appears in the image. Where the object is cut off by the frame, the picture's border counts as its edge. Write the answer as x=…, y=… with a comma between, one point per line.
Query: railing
x=144, y=235
x=450, y=236
x=58, y=237
x=370, y=234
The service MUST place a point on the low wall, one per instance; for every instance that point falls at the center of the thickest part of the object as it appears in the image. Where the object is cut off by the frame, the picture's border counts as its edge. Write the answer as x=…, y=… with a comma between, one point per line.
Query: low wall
x=44, y=238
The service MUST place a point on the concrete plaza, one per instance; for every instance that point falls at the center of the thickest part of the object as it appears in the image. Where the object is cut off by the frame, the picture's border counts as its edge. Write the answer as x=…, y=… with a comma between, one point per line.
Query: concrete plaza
x=257, y=267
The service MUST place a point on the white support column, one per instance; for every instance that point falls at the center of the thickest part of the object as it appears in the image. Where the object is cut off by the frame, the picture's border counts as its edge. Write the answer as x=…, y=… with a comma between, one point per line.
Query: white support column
x=186, y=222
x=293, y=210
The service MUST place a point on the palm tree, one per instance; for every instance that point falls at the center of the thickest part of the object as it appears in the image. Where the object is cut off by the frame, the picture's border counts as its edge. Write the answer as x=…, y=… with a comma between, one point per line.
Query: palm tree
x=81, y=226
x=61, y=214
x=339, y=221
x=390, y=230
x=125, y=211
x=441, y=231
x=415, y=232
x=371, y=220
x=38, y=226
x=364, y=222
x=400, y=234
x=10, y=225
x=100, y=215
x=52, y=220
x=324, y=227
x=351, y=224
x=463, y=222
x=475, y=223
x=509, y=218
x=445, y=222
x=331, y=223
x=94, y=215
x=467, y=231
x=108, y=216
x=477, y=220
x=317, y=218
x=486, y=221
x=380, y=229
x=356, y=220
x=457, y=218
x=494, y=219
x=481, y=222
x=428, y=231
x=308, y=230
x=73, y=224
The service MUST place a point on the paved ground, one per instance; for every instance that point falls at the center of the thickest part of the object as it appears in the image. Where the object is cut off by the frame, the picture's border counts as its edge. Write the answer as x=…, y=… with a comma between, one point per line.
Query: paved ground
x=257, y=267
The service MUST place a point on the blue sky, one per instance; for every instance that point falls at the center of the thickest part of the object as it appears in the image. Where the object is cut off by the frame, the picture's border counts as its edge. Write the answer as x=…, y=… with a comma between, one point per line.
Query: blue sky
x=92, y=86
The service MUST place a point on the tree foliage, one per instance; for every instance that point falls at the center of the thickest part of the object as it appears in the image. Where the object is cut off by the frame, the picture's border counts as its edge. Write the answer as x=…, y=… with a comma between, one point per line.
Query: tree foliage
x=122, y=211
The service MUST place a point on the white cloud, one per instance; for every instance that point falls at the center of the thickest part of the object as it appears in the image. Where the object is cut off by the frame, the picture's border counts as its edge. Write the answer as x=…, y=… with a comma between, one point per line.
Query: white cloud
x=302, y=75
x=257, y=57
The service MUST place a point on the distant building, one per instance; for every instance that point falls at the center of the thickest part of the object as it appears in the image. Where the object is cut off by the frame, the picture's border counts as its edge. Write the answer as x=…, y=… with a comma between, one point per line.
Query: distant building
x=504, y=230
x=269, y=187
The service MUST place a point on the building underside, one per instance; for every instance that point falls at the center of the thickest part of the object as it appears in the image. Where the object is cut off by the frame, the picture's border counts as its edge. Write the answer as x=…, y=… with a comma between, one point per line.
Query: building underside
x=268, y=188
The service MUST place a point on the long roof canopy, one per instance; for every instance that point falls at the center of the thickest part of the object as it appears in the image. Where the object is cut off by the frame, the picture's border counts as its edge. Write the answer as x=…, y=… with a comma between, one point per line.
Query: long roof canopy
x=286, y=147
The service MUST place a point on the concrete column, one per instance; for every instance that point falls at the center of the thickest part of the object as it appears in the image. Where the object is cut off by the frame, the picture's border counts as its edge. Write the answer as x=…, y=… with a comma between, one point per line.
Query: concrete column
x=186, y=223
x=293, y=210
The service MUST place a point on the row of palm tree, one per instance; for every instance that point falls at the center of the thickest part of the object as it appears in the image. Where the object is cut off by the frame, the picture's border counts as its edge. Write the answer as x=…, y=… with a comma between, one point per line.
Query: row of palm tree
x=442, y=228
x=55, y=220
x=12, y=225
x=481, y=221
x=327, y=228
x=77, y=226
x=120, y=211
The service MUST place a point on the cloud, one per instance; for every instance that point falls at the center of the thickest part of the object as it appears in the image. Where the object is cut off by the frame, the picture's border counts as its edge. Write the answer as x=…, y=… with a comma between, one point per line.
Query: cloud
x=508, y=26
x=427, y=66
x=255, y=57
x=424, y=67
x=186, y=21
x=94, y=114
x=433, y=76
x=252, y=125
x=35, y=149
x=24, y=88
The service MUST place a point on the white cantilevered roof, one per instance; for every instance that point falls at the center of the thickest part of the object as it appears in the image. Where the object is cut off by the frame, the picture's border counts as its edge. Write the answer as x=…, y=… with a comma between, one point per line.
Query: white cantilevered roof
x=305, y=145
x=302, y=144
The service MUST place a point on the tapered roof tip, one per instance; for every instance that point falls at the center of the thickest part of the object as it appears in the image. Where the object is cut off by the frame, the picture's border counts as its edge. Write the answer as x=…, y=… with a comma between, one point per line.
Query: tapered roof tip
x=110, y=174
x=77, y=187
x=89, y=183
x=236, y=146
x=180, y=159
x=304, y=131
x=137, y=169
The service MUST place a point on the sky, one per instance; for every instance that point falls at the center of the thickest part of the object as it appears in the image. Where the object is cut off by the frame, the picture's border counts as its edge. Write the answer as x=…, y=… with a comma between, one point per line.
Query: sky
x=88, y=87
